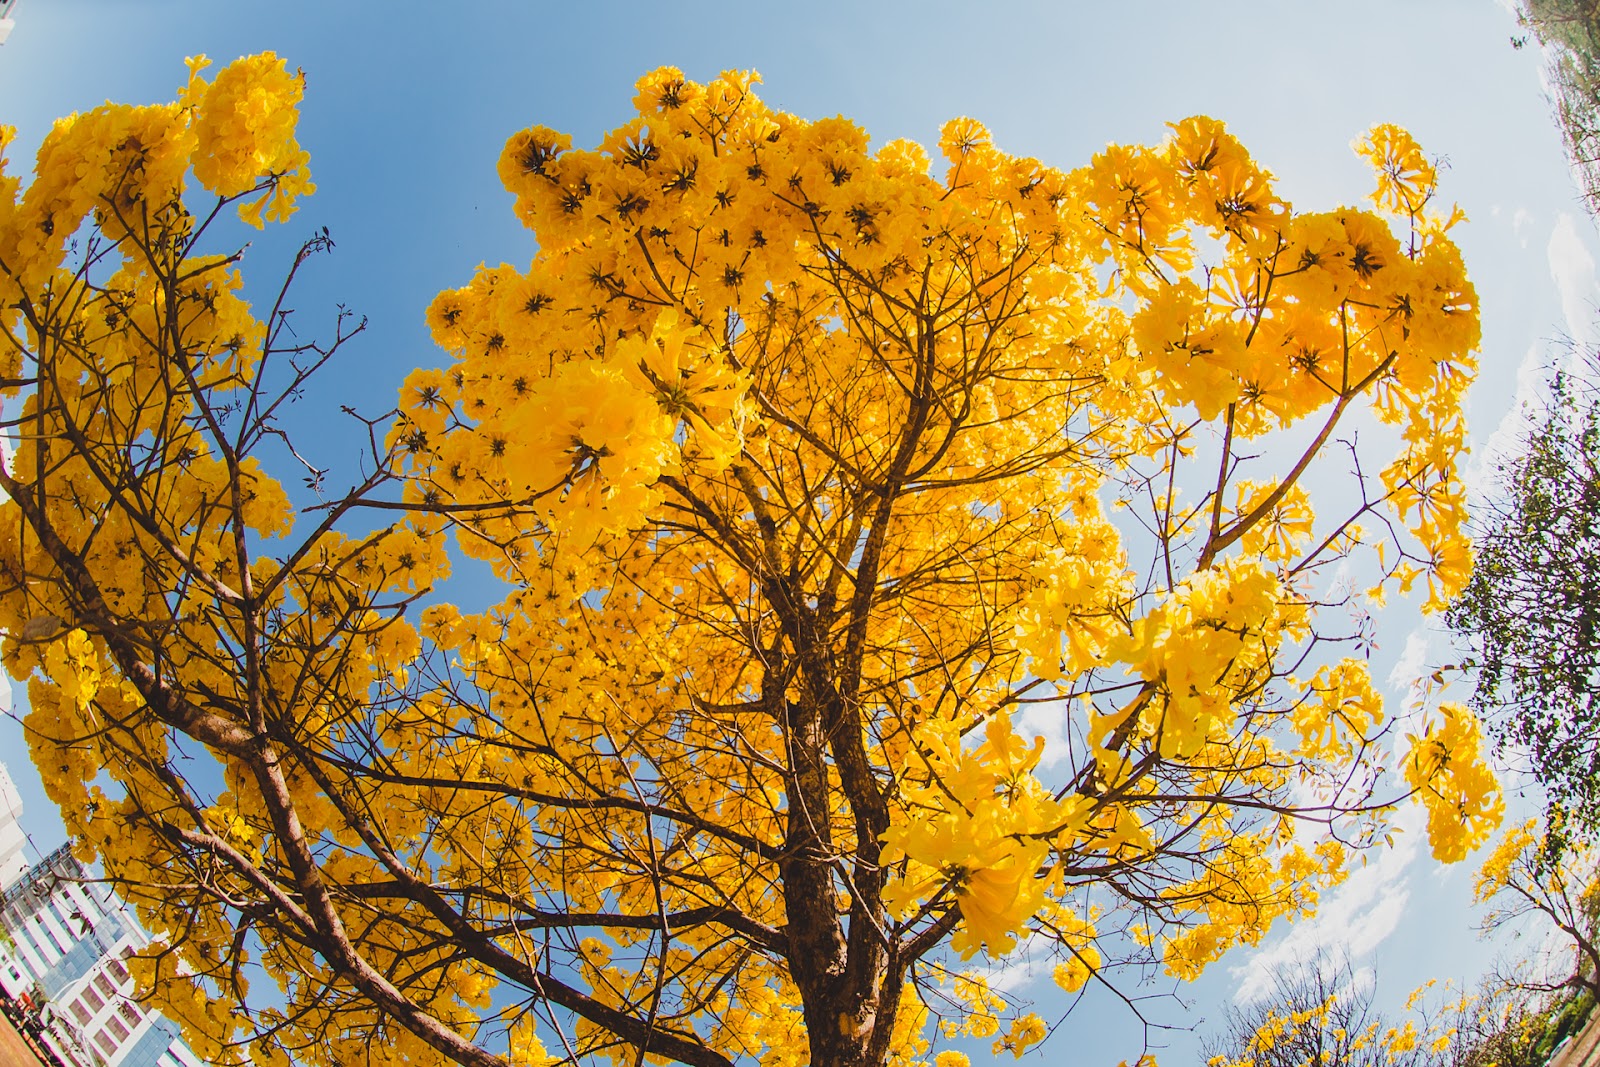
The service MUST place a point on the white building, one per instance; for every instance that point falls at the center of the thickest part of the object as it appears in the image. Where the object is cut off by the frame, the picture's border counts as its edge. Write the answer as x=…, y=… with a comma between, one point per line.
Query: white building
x=12, y=862
x=63, y=944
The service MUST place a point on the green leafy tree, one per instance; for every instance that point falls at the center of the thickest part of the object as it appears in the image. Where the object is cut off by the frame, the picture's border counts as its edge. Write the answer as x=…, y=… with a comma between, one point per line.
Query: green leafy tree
x=1531, y=611
x=1569, y=31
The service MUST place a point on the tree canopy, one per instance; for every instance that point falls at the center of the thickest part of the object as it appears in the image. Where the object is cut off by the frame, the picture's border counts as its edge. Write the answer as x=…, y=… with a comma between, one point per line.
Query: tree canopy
x=1530, y=612
x=812, y=477
x=1569, y=31
x=1319, y=1013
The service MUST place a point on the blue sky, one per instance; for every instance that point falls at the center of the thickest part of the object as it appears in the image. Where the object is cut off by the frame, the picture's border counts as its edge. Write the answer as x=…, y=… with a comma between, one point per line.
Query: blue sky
x=408, y=104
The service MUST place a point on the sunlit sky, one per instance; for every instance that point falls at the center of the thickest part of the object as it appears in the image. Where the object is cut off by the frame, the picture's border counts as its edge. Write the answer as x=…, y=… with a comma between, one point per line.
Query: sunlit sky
x=408, y=104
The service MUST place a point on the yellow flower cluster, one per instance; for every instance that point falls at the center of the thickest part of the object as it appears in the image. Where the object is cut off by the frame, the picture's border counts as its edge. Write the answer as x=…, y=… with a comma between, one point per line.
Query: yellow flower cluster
x=129, y=480
x=1447, y=766
x=126, y=166
x=1076, y=934
x=1247, y=886
x=1537, y=869
x=243, y=129
x=1519, y=842
x=1341, y=709
x=1406, y=177
x=1082, y=587
x=1208, y=645
x=981, y=828
x=1321, y=1021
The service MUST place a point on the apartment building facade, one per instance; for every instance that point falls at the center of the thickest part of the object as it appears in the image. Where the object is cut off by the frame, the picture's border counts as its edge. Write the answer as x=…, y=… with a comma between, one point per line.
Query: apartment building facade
x=64, y=945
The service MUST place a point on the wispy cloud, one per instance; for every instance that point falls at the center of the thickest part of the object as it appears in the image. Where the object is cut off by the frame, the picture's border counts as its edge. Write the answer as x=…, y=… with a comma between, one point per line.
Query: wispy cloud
x=1049, y=721
x=1521, y=223
x=1015, y=971
x=1410, y=666
x=1572, y=269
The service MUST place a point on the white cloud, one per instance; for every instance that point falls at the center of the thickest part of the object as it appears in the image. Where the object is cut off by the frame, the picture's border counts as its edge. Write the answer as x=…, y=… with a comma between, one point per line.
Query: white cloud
x=1507, y=435
x=1407, y=672
x=1521, y=222
x=1049, y=721
x=1016, y=970
x=1572, y=269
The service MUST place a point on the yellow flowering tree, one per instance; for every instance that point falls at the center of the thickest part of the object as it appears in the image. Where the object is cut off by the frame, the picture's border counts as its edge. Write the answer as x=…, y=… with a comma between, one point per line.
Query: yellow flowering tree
x=1319, y=1013
x=819, y=478
x=1533, y=871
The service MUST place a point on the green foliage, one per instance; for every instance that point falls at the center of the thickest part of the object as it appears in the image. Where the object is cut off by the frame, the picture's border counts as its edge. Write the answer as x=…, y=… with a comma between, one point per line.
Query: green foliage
x=1520, y=1038
x=1532, y=608
x=1565, y=1019
x=1523, y=1030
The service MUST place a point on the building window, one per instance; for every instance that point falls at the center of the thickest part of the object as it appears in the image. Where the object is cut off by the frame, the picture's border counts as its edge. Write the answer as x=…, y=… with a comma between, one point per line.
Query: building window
x=105, y=984
x=81, y=1013
x=43, y=941
x=93, y=999
x=107, y=1045
x=117, y=1027
x=69, y=917
x=130, y=1012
